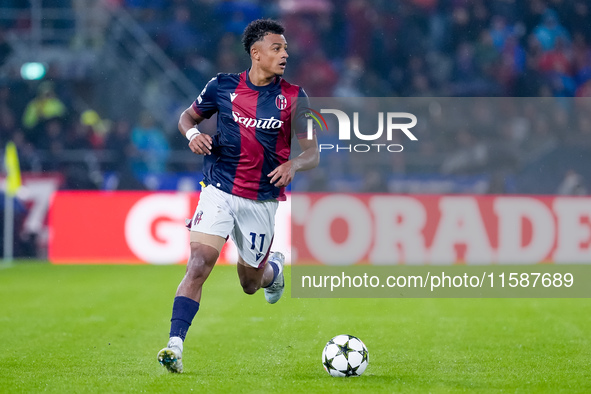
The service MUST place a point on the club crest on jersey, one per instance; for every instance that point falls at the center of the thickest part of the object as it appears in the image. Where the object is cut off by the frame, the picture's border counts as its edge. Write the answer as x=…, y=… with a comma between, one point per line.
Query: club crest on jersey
x=198, y=218
x=281, y=102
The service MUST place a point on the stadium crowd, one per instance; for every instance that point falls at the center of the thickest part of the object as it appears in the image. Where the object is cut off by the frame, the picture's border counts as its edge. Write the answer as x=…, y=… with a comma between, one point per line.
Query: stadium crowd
x=385, y=48
x=353, y=48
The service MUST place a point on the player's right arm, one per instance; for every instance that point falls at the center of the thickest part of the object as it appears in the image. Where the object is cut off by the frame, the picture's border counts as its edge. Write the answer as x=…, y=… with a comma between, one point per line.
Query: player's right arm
x=204, y=106
x=199, y=143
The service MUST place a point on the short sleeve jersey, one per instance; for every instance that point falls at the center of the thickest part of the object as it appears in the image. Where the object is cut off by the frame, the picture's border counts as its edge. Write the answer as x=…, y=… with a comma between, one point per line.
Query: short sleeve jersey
x=253, y=133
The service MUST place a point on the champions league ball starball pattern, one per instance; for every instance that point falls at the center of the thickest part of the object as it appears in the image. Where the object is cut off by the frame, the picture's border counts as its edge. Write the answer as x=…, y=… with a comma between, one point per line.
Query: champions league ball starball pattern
x=345, y=355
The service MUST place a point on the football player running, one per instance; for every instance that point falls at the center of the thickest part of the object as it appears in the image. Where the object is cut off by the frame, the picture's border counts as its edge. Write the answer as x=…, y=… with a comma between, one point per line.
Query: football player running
x=246, y=168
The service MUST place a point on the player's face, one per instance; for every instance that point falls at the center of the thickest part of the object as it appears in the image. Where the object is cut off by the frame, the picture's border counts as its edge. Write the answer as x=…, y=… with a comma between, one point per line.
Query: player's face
x=273, y=53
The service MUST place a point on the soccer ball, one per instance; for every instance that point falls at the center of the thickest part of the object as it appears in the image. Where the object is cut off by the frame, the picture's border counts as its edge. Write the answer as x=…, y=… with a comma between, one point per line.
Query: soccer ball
x=345, y=355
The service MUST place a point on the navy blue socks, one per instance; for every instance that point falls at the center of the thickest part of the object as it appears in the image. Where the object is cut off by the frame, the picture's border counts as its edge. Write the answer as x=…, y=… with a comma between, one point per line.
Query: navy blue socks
x=184, y=310
x=275, y=271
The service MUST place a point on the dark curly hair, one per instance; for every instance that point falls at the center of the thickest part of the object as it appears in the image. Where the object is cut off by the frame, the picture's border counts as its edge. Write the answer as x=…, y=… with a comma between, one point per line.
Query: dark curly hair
x=256, y=30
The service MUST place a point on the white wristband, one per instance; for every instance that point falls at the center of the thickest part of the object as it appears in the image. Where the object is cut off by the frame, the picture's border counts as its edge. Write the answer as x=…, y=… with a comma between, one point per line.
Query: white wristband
x=192, y=133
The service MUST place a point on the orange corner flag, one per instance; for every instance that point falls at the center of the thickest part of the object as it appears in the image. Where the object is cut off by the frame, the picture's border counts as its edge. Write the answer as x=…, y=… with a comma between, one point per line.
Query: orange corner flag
x=13, y=170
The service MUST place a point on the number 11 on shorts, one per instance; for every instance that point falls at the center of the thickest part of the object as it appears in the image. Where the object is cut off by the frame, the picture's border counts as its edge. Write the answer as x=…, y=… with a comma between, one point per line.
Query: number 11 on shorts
x=254, y=239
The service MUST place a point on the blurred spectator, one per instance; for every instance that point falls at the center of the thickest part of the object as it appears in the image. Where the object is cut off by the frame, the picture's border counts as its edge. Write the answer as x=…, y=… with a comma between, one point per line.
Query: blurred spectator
x=122, y=155
x=317, y=75
x=118, y=143
x=486, y=54
x=152, y=147
x=53, y=131
x=5, y=48
x=562, y=84
x=584, y=90
x=581, y=59
x=7, y=116
x=468, y=81
x=236, y=14
x=470, y=155
x=579, y=16
x=500, y=32
x=361, y=18
x=182, y=36
x=45, y=106
x=198, y=69
x=27, y=155
x=97, y=128
x=542, y=138
x=556, y=59
x=374, y=182
x=306, y=42
x=149, y=19
x=78, y=178
x=465, y=67
x=573, y=184
x=509, y=67
x=230, y=56
x=550, y=30
x=79, y=137
x=349, y=84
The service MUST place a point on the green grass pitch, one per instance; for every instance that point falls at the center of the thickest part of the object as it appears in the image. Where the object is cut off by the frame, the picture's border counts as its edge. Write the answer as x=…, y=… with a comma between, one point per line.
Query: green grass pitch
x=99, y=328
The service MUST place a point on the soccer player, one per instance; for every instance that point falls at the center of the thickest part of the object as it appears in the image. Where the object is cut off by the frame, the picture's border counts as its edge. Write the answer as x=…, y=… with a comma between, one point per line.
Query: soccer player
x=246, y=169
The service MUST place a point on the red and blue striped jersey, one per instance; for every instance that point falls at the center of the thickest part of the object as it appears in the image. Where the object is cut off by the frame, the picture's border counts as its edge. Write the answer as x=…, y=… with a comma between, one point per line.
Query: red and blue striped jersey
x=253, y=133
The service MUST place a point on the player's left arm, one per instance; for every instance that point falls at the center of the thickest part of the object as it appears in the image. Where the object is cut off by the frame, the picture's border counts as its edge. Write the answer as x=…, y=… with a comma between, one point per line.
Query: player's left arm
x=308, y=159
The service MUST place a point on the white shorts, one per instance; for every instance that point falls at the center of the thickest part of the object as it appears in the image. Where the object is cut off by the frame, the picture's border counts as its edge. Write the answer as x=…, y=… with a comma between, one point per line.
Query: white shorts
x=250, y=223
